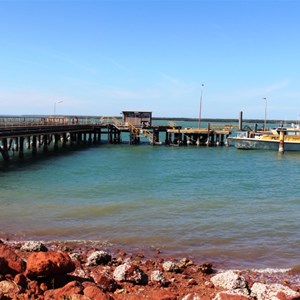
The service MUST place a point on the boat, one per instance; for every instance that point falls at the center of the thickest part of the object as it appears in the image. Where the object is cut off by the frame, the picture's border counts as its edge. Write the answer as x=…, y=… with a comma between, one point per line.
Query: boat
x=278, y=139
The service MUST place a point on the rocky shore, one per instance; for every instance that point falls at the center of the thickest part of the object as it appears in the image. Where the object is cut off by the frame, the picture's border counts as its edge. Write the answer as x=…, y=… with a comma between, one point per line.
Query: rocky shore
x=79, y=271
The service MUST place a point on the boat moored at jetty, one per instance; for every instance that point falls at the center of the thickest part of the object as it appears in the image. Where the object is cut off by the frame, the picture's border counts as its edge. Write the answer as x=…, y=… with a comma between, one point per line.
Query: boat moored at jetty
x=280, y=139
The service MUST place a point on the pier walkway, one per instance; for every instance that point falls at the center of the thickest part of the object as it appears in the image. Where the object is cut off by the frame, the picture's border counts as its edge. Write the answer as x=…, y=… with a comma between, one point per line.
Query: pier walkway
x=20, y=134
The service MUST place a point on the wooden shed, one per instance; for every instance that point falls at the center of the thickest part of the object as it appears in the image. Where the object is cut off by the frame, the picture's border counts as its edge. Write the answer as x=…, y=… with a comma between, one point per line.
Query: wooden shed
x=139, y=119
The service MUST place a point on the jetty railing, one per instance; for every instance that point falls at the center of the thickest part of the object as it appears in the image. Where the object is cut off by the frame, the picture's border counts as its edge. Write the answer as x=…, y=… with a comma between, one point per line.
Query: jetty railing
x=16, y=121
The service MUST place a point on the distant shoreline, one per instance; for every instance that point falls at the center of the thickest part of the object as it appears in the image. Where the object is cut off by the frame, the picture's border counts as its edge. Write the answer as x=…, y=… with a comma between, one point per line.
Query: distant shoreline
x=224, y=120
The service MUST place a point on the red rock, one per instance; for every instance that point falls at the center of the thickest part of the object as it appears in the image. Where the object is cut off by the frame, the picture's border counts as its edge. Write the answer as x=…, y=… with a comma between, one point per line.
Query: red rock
x=161, y=294
x=20, y=279
x=70, y=289
x=192, y=282
x=49, y=264
x=283, y=296
x=149, y=295
x=49, y=295
x=230, y=296
x=192, y=296
x=9, y=277
x=43, y=287
x=10, y=262
x=94, y=293
x=104, y=281
x=149, y=264
x=34, y=288
x=206, y=268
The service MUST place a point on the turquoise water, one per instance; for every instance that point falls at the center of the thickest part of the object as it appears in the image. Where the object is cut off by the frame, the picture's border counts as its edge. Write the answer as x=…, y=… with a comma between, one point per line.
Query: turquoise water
x=237, y=208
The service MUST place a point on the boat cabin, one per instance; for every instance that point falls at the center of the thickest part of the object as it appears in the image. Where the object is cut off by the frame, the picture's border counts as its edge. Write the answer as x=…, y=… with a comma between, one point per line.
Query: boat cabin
x=139, y=119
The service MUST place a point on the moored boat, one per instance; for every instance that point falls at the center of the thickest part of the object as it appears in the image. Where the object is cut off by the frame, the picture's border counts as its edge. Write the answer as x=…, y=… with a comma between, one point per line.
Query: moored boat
x=280, y=139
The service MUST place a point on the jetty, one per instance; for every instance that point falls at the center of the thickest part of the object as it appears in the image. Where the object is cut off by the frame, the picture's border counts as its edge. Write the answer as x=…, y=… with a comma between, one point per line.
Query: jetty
x=19, y=135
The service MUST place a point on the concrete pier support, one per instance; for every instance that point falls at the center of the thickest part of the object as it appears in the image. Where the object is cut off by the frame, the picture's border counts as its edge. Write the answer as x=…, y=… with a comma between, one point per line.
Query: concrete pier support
x=78, y=138
x=168, y=138
x=39, y=141
x=28, y=143
x=90, y=139
x=221, y=140
x=64, y=140
x=155, y=137
x=72, y=138
x=99, y=136
x=208, y=141
x=21, y=148
x=34, y=145
x=45, y=143
x=56, y=140
x=16, y=144
x=4, y=150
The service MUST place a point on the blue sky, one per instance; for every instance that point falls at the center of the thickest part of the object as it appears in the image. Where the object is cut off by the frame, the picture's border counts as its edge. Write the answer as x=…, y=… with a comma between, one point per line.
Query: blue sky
x=103, y=57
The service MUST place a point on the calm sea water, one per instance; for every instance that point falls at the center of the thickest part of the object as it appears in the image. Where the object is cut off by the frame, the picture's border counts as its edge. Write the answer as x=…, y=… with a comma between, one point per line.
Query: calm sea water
x=237, y=208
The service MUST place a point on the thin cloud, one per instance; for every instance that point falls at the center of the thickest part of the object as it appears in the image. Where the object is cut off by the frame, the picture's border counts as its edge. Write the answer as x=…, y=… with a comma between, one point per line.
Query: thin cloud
x=118, y=65
x=51, y=54
x=276, y=86
x=175, y=87
x=128, y=94
x=26, y=101
x=170, y=79
x=250, y=93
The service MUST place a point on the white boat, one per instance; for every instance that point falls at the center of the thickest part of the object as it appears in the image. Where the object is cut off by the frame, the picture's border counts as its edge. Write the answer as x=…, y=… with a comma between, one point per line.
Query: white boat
x=279, y=139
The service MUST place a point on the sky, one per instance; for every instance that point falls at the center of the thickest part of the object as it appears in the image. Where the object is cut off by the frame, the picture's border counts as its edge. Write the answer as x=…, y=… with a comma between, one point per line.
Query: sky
x=99, y=58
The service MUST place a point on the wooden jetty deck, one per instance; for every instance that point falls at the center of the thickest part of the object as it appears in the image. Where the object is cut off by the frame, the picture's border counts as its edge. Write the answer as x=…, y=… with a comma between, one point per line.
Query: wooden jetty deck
x=29, y=134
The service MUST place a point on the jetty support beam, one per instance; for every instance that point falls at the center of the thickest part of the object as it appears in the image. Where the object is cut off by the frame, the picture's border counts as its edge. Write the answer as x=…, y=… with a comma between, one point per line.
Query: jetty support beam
x=21, y=149
x=4, y=150
x=34, y=150
x=45, y=143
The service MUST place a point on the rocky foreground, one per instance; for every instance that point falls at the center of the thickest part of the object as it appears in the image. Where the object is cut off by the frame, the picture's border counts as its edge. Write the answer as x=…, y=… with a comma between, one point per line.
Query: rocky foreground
x=32, y=270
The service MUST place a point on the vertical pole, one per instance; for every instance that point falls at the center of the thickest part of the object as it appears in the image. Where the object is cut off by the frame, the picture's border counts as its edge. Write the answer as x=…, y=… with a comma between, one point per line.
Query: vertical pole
x=200, y=110
x=241, y=121
x=281, y=142
x=265, y=124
